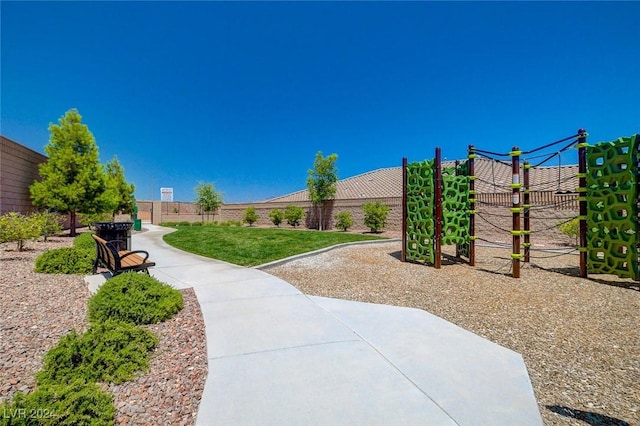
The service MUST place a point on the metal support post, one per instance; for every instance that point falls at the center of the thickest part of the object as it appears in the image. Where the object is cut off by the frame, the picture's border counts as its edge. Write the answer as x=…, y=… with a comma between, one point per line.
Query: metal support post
x=516, y=210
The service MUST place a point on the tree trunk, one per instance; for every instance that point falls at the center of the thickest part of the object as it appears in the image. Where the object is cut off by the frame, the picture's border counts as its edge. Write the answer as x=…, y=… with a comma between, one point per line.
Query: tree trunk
x=72, y=223
x=320, y=217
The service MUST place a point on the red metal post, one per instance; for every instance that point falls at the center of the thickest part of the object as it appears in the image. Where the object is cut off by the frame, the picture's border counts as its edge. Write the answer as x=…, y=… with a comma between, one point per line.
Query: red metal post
x=438, y=209
x=472, y=206
x=404, y=210
x=582, y=196
x=515, y=210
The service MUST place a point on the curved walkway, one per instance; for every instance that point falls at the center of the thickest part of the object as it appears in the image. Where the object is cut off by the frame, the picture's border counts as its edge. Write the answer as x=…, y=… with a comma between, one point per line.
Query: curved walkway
x=279, y=357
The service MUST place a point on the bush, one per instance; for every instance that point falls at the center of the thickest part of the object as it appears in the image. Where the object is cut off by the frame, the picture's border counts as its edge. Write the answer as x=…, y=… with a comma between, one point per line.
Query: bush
x=135, y=298
x=18, y=228
x=250, y=216
x=110, y=351
x=78, y=403
x=293, y=214
x=49, y=223
x=276, y=216
x=88, y=219
x=84, y=241
x=571, y=228
x=344, y=221
x=67, y=260
x=375, y=215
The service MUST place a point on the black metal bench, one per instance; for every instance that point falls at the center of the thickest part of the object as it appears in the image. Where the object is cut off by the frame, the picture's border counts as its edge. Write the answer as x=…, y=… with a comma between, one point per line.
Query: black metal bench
x=117, y=262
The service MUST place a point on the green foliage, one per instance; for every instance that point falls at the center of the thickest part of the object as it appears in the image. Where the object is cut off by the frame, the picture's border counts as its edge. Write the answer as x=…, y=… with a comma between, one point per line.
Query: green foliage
x=49, y=223
x=276, y=216
x=322, y=181
x=250, y=216
x=77, y=403
x=135, y=298
x=18, y=228
x=375, y=215
x=120, y=193
x=207, y=198
x=66, y=260
x=344, y=220
x=110, y=351
x=88, y=219
x=251, y=246
x=231, y=223
x=84, y=241
x=571, y=228
x=293, y=214
x=72, y=178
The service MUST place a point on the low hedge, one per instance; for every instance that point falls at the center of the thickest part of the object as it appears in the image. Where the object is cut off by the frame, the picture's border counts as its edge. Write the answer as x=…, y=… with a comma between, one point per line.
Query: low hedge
x=77, y=403
x=66, y=260
x=136, y=298
x=110, y=351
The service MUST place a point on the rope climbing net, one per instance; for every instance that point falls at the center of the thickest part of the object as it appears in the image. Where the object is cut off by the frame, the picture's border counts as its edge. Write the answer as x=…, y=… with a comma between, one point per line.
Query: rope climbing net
x=442, y=204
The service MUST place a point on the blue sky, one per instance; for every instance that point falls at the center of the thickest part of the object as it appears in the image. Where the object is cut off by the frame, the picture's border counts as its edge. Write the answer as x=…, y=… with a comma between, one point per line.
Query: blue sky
x=244, y=94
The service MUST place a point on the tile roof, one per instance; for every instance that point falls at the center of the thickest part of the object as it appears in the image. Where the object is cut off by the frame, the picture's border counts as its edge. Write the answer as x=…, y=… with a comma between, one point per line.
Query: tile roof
x=493, y=177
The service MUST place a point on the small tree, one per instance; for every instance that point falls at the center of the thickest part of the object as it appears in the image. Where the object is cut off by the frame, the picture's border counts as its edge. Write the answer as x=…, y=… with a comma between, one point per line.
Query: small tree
x=18, y=228
x=120, y=192
x=89, y=219
x=73, y=180
x=375, y=215
x=571, y=228
x=207, y=198
x=276, y=216
x=344, y=221
x=49, y=224
x=250, y=216
x=293, y=214
x=322, y=182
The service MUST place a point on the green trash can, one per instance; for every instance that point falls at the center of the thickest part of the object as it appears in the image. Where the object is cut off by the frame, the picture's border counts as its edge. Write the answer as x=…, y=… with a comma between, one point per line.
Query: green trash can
x=137, y=224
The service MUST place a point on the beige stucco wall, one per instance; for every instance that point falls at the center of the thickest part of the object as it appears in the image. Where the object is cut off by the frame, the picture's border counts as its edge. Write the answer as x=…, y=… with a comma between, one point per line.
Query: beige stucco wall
x=18, y=170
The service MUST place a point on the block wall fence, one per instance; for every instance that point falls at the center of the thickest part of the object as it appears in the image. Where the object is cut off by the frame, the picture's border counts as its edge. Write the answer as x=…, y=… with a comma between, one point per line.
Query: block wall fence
x=495, y=204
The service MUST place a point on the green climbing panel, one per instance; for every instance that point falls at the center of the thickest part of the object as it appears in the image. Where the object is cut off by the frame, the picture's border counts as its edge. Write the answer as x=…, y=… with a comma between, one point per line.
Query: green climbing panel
x=455, y=206
x=420, y=220
x=420, y=210
x=612, y=208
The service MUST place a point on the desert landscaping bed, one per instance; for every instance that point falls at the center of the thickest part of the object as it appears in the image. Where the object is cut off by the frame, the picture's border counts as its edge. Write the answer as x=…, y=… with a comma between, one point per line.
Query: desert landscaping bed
x=38, y=309
x=580, y=338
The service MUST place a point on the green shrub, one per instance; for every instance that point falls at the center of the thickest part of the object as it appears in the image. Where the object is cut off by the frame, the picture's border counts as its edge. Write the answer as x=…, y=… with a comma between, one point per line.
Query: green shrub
x=571, y=228
x=84, y=241
x=66, y=260
x=18, y=228
x=375, y=215
x=78, y=403
x=110, y=351
x=293, y=214
x=49, y=223
x=88, y=219
x=276, y=216
x=344, y=221
x=184, y=223
x=169, y=224
x=250, y=216
x=231, y=223
x=197, y=223
x=135, y=298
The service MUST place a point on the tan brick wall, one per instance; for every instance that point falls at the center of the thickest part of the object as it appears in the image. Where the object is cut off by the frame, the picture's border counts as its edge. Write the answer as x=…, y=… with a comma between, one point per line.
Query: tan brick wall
x=18, y=170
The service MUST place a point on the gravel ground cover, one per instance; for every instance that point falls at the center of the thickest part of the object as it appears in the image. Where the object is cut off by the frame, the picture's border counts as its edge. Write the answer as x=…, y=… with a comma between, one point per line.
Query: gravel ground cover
x=580, y=338
x=38, y=309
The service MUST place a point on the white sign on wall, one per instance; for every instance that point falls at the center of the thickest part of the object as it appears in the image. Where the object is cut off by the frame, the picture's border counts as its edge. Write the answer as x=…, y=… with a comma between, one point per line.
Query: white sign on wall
x=166, y=194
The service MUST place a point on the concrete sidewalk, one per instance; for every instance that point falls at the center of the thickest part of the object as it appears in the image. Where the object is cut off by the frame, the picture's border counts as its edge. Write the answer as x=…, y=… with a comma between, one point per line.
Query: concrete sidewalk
x=279, y=357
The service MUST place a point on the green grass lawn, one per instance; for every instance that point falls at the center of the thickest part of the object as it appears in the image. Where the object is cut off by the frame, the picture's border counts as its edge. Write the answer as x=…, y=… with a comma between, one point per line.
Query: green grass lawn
x=248, y=246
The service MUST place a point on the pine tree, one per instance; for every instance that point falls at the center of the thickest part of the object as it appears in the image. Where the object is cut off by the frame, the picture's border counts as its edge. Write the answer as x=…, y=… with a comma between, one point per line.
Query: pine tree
x=121, y=192
x=73, y=180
